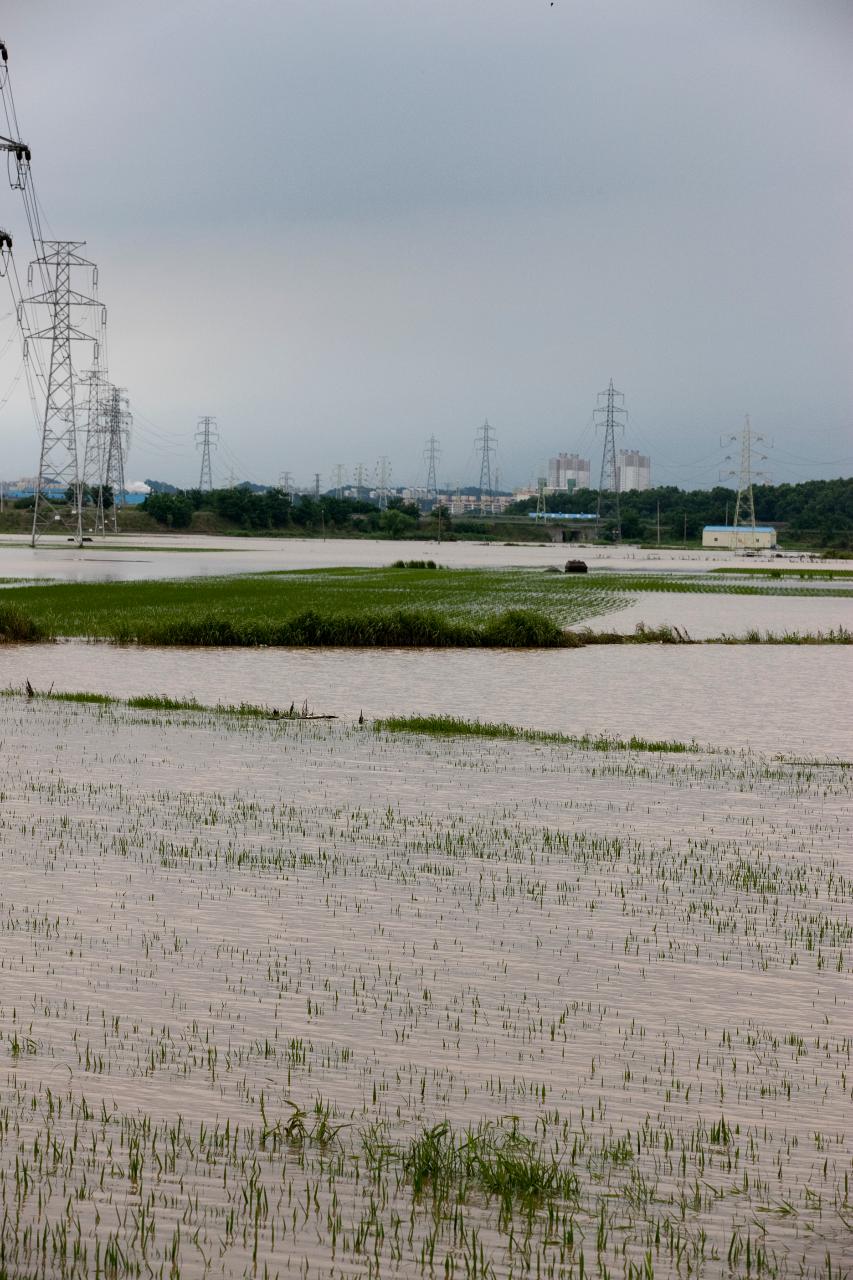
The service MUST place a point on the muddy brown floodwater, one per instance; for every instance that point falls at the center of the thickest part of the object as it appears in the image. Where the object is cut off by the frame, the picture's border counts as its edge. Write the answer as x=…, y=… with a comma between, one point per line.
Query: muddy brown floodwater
x=775, y=698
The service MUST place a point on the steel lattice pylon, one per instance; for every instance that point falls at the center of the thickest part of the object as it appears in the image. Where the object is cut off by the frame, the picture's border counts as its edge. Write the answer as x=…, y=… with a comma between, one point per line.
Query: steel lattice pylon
x=206, y=438
x=608, y=416
x=432, y=453
x=58, y=488
x=486, y=441
x=383, y=482
x=745, y=502
x=117, y=442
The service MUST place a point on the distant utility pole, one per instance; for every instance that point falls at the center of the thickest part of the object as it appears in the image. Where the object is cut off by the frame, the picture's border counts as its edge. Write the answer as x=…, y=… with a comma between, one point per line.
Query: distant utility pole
x=383, y=481
x=206, y=439
x=432, y=453
x=486, y=442
x=608, y=416
x=117, y=441
x=746, y=473
x=58, y=471
x=339, y=475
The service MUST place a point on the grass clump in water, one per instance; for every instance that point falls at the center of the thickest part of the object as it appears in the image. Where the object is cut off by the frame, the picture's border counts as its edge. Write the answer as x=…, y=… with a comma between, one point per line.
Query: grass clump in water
x=454, y=727
x=17, y=626
x=835, y=635
x=502, y=1164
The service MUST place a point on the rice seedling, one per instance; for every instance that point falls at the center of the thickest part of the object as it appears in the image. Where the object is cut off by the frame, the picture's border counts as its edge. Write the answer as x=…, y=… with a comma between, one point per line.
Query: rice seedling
x=455, y=727
x=462, y=1002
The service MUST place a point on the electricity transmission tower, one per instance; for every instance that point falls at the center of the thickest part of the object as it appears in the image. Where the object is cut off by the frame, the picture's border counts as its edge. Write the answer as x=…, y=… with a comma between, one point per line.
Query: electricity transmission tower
x=540, y=498
x=432, y=453
x=383, y=481
x=206, y=439
x=339, y=476
x=95, y=388
x=95, y=383
x=58, y=478
x=360, y=479
x=486, y=443
x=117, y=442
x=746, y=473
x=285, y=482
x=608, y=417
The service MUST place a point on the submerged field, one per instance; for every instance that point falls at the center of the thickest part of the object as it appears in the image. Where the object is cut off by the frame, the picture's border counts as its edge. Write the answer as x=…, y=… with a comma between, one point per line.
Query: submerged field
x=374, y=606
x=322, y=1000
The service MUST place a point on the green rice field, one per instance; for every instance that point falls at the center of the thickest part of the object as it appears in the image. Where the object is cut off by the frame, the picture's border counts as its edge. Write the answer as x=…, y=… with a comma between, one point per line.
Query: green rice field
x=361, y=606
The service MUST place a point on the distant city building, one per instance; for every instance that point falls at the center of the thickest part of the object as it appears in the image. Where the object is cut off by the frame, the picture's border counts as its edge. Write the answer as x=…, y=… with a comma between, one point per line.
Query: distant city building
x=567, y=472
x=726, y=536
x=462, y=504
x=634, y=470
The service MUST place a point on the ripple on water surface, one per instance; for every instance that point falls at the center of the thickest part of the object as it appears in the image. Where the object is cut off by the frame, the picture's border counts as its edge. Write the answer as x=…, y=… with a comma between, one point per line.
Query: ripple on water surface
x=244, y=964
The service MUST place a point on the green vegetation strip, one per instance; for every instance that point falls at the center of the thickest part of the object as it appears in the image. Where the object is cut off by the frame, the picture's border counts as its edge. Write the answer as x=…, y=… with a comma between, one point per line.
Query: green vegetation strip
x=452, y=727
x=394, y=606
x=158, y=702
x=789, y=572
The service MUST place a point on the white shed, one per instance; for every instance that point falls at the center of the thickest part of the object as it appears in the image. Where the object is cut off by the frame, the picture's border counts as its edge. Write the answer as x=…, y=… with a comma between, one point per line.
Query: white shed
x=760, y=538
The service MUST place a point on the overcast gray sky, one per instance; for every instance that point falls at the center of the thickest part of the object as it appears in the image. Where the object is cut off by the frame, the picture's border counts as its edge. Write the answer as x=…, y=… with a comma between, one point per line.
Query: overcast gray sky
x=343, y=225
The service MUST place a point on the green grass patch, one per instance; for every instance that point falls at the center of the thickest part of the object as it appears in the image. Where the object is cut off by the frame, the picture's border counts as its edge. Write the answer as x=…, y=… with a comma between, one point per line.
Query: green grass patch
x=835, y=635
x=453, y=727
x=502, y=1164
x=161, y=702
x=17, y=625
x=789, y=572
x=401, y=628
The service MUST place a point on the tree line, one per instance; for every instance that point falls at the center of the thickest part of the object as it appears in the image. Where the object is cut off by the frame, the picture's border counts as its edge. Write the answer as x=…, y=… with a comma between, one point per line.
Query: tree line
x=814, y=509
x=273, y=509
x=818, y=511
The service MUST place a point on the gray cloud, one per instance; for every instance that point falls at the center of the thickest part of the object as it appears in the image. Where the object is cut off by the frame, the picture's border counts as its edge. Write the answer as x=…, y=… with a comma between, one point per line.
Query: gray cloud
x=342, y=226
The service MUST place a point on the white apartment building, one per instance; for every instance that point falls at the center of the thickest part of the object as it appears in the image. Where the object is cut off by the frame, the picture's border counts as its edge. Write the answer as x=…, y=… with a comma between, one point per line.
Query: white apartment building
x=568, y=471
x=635, y=470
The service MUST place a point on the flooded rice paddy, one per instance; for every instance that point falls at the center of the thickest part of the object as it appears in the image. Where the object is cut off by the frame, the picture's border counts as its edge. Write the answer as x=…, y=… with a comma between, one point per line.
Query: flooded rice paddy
x=304, y=999
x=161, y=556
x=770, y=697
